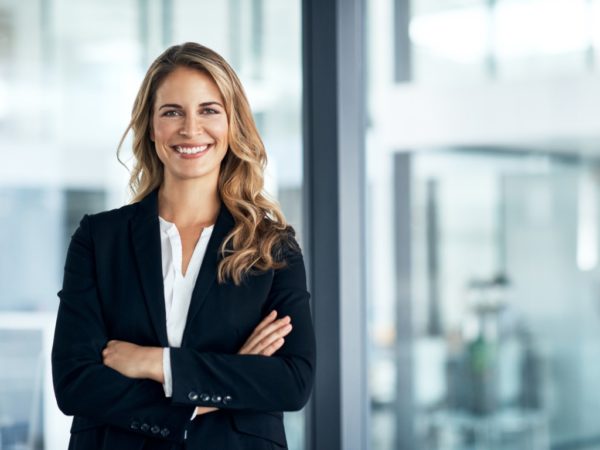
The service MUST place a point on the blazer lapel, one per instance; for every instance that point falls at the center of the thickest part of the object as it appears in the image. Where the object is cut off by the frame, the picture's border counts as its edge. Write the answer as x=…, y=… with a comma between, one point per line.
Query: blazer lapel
x=145, y=232
x=208, y=269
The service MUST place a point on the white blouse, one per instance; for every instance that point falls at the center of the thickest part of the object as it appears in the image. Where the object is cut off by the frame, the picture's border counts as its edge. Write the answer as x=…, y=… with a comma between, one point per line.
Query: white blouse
x=178, y=287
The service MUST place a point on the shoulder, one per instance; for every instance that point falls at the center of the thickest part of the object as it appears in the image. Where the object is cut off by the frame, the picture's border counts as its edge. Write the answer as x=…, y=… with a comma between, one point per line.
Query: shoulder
x=286, y=245
x=291, y=272
x=109, y=221
x=290, y=261
x=113, y=216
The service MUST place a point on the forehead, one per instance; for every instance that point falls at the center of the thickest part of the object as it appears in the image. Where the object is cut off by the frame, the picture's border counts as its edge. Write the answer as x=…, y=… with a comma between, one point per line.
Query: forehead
x=188, y=85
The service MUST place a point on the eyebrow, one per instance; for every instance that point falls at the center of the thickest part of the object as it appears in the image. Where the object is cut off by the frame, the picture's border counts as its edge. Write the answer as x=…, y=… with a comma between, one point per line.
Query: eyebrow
x=175, y=105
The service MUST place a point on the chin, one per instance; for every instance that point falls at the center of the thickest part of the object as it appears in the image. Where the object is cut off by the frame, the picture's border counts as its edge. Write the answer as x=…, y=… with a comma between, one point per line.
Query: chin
x=183, y=176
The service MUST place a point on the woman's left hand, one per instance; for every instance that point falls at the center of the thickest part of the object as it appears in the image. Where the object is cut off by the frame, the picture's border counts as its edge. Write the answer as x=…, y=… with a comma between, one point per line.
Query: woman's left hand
x=134, y=361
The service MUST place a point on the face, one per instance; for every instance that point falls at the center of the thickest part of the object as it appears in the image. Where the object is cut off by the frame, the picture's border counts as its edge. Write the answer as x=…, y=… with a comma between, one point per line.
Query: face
x=189, y=125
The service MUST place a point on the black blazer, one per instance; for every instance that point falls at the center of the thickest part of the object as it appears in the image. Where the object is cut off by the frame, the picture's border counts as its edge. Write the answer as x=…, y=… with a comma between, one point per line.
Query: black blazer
x=113, y=289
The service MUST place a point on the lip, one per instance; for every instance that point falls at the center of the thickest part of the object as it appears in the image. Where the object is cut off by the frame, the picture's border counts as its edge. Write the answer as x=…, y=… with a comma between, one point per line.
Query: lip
x=192, y=144
x=192, y=156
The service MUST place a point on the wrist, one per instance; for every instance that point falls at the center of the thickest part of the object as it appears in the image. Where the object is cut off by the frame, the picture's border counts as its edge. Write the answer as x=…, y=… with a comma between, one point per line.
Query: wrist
x=154, y=364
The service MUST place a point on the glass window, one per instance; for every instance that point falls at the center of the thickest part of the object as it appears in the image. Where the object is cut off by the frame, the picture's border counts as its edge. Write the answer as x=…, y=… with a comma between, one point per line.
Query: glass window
x=502, y=312
x=483, y=228
x=450, y=41
x=555, y=43
x=473, y=40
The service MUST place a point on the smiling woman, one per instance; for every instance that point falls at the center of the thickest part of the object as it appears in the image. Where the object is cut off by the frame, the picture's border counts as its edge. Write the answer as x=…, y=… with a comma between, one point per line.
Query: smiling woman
x=189, y=124
x=176, y=312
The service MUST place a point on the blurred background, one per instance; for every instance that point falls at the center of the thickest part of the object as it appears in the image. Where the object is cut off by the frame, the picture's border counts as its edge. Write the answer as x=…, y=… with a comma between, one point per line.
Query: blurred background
x=482, y=139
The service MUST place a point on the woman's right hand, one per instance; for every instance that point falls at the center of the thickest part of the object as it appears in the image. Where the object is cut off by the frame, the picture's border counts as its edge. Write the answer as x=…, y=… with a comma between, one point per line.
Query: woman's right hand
x=266, y=339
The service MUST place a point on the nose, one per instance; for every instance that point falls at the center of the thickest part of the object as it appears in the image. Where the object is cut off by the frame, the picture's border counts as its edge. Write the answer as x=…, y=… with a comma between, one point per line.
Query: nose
x=191, y=126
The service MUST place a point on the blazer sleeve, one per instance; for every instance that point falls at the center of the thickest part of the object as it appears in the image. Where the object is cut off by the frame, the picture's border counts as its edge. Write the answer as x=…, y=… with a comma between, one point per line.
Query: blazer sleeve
x=281, y=382
x=83, y=385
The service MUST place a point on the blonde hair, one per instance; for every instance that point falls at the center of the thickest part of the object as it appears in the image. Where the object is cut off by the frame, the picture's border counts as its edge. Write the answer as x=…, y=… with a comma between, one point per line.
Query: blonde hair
x=256, y=241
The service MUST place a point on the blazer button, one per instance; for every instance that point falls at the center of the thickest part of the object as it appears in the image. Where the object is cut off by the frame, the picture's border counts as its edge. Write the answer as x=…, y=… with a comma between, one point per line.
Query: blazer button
x=193, y=396
x=155, y=429
x=204, y=397
x=135, y=425
x=145, y=427
x=164, y=432
x=227, y=399
x=216, y=399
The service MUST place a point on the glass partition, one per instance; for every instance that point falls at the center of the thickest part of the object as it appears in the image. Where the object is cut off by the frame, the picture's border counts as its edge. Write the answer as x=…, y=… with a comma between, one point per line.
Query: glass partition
x=482, y=225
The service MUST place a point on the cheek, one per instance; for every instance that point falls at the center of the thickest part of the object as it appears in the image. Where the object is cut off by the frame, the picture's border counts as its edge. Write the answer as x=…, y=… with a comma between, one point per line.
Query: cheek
x=161, y=131
x=160, y=140
x=222, y=130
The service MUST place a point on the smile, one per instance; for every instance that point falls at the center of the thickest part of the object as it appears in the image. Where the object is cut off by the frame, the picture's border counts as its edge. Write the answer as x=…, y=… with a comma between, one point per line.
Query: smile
x=191, y=150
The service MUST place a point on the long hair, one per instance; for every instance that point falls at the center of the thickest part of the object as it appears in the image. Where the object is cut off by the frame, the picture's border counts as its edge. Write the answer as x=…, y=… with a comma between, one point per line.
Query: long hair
x=257, y=240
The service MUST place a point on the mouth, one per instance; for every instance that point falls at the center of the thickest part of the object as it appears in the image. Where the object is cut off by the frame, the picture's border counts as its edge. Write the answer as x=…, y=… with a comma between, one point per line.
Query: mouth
x=187, y=151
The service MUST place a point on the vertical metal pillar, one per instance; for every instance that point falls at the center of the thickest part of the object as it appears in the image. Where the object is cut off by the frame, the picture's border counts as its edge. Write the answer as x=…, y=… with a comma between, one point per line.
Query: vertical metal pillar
x=334, y=122
x=403, y=70
x=405, y=395
x=321, y=215
x=257, y=39
x=352, y=214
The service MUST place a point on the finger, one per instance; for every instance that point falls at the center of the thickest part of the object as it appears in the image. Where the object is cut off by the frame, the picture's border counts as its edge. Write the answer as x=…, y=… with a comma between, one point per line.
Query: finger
x=271, y=349
x=273, y=337
x=200, y=410
x=277, y=329
x=261, y=328
x=260, y=332
x=254, y=339
x=266, y=321
x=270, y=338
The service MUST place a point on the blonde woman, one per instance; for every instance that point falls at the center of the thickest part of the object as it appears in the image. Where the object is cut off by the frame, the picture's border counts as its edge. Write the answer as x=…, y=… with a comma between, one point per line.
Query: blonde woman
x=184, y=318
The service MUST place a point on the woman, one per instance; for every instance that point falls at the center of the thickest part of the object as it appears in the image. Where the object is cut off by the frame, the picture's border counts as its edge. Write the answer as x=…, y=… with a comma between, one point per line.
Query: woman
x=184, y=318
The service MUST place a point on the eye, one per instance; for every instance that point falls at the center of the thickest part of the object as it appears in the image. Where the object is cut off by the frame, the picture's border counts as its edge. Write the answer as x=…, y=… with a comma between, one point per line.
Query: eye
x=171, y=113
x=210, y=111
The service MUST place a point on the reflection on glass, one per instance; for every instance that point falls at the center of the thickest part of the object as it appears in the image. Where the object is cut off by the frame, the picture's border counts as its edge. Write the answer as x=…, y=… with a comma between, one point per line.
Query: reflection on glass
x=69, y=72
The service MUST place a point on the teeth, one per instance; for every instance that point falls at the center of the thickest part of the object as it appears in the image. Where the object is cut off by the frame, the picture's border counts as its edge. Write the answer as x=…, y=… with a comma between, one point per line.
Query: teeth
x=191, y=150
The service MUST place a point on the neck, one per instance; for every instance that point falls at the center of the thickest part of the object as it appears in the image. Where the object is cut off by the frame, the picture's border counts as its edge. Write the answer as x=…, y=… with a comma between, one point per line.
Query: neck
x=189, y=203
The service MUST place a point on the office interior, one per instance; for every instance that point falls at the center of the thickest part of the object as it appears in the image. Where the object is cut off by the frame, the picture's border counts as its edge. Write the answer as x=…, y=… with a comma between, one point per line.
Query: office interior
x=481, y=193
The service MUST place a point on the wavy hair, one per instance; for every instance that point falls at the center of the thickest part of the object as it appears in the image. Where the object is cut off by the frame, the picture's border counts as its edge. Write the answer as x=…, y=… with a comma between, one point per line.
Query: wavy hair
x=260, y=234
